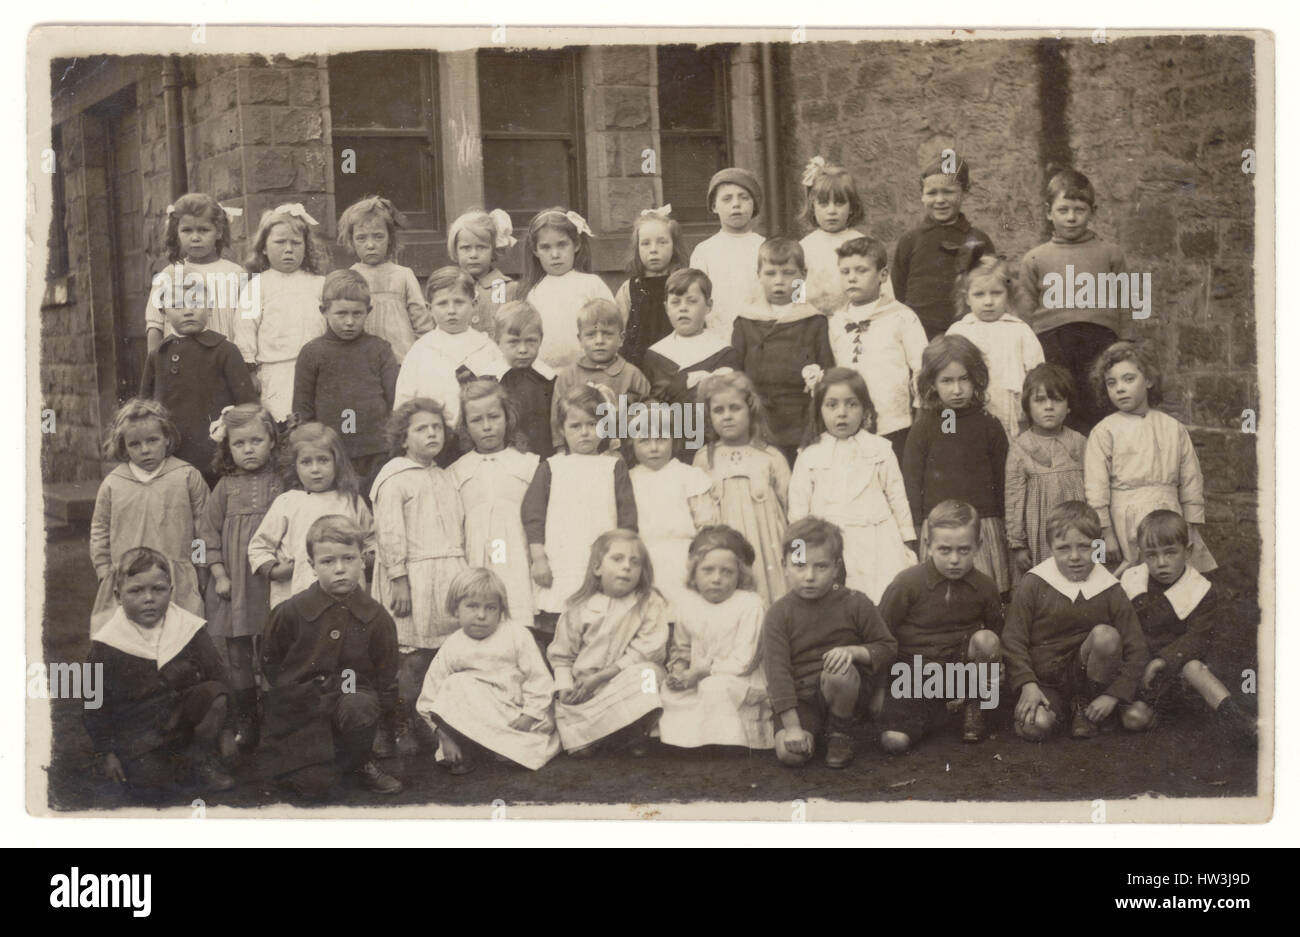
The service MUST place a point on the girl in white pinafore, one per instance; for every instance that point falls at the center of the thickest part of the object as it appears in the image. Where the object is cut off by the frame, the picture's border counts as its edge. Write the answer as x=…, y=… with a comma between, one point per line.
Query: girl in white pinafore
x=715, y=693
x=850, y=477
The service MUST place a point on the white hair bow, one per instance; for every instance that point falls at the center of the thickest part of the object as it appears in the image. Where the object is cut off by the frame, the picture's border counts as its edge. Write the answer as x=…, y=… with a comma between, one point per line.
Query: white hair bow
x=504, y=228
x=815, y=167
x=578, y=222
x=812, y=376
x=663, y=212
x=695, y=377
x=295, y=209
x=217, y=428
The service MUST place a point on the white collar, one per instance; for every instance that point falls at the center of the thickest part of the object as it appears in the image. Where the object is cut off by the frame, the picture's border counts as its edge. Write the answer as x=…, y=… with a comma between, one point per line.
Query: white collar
x=685, y=352
x=141, y=475
x=173, y=633
x=1184, y=595
x=1098, y=581
x=821, y=454
x=971, y=319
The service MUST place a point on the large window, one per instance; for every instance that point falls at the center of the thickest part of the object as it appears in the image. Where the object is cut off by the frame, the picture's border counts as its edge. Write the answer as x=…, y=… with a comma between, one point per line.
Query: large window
x=384, y=109
x=692, y=125
x=57, y=242
x=531, y=112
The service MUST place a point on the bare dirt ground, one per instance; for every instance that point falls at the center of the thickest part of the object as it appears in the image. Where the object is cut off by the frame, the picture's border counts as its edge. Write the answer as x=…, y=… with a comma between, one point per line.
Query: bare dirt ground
x=1182, y=757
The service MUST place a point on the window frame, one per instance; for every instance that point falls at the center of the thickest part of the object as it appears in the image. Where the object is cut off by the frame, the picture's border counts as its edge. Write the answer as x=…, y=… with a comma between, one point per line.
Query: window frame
x=719, y=56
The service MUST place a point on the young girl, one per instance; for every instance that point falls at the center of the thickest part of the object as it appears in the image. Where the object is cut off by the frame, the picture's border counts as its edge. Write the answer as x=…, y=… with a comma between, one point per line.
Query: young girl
x=985, y=293
x=198, y=232
x=488, y=685
x=715, y=693
x=1044, y=465
x=237, y=601
x=850, y=477
x=152, y=499
x=656, y=252
x=956, y=450
x=164, y=689
x=609, y=648
x=730, y=257
x=573, y=498
x=833, y=210
x=750, y=477
x=492, y=477
x=420, y=532
x=557, y=280
x=1138, y=459
x=368, y=230
x=318, y=479
x=672, y=503
x=287, y=316
x=436, y=362
x=476, y=242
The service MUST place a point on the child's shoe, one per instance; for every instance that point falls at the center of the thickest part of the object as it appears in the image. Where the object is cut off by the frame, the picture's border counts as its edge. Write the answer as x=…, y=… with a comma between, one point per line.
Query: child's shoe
x=1081, y=727
x=247, y=728
x=208, y=773
x=839, y=744
x=376, y=779
x=972, y=722
x=1236, y=726
x=384, y=745
x=405, y=739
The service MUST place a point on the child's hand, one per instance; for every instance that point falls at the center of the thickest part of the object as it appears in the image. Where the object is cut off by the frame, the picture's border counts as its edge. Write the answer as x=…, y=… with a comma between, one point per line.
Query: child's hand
x=523, y=723
x=282, y=571
x=837, y=661
x=222, y=584
x=542, y=572
x=578, y=693
x=1031, y=697
x=686, y=679
x=1151, y=676
x=1113, y=552
x=112, y=769
x=401, y=597
x=451, y=753
x=798, y=742
x=1101, y=707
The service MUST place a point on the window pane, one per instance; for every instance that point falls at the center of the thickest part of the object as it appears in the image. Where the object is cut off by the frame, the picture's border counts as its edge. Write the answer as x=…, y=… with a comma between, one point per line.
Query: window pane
x=526, y=91
x=687, y=165
x=393, y=168
x=379, y=89
x=525, y=176
x=688, y=89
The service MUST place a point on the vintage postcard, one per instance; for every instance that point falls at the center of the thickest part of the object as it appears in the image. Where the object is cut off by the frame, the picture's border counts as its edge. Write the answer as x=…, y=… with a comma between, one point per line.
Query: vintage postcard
x=651, y=423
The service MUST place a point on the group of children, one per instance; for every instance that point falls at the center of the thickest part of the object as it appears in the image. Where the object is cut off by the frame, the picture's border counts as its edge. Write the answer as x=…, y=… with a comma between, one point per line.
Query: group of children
x=872, y=432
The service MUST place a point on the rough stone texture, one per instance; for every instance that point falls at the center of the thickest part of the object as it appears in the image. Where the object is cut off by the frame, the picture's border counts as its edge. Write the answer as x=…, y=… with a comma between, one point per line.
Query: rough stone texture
x=621, y=120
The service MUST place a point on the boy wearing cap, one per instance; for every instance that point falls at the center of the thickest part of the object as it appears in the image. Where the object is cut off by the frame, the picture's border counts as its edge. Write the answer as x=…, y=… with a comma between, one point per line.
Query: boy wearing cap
x=730, y=257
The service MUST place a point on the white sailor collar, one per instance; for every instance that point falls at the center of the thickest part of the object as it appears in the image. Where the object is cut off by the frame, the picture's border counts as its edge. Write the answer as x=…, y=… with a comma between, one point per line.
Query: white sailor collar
x=1098, y=581
x=1184, y=595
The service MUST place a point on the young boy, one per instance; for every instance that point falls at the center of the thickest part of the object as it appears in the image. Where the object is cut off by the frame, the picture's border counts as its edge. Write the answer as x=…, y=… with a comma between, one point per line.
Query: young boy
x=600, y=333
x=728, y=256
x=330, y=658
x=164, y=688
x=1072, y=642
x=878, y=337
x=1177, y=608
x=946, y=611
x=824, y=648
x=926, y=258
x=196, y=373
x=528, y=380
x=347, y=378
x=1073, y=335
x=778, y=338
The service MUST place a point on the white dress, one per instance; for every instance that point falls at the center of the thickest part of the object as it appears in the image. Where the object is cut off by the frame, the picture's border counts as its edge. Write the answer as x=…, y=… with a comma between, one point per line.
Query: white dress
x=492, y=488
x=1011, y=350
x=282, y=535
x=479, y=687
x=217, y=285
x=883, y=341
x=731, y=261
x=420, y=532
x=558, y=301
x=857, y=484
x=429, y=368
x=631, y=634
x=287, y=317
x=669, y=510
x=1135, y=464
x=729, y=706
x=581, y=507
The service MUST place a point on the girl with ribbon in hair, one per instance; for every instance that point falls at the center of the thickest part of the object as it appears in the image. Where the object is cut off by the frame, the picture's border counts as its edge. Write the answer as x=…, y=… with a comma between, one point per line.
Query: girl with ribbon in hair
x=197, y=234
x=237, y=601
x=476, y=242
x=398, y=315
x=558, y=280
x=833, y=210
x=657, y=251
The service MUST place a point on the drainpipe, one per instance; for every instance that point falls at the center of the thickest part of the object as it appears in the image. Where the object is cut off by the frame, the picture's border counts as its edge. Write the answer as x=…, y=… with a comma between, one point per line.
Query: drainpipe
x=174, y=111
x=771, y=167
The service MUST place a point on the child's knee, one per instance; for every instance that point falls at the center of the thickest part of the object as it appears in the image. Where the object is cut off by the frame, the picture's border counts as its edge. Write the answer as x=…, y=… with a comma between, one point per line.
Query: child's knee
x=356, y=710
x=841, y=687
x=984, y=646
x=1104, y=641
x=895, y=742
x=1137, y=717
x=1039, y=728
